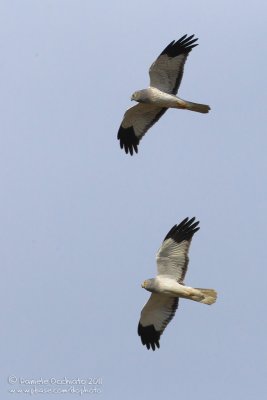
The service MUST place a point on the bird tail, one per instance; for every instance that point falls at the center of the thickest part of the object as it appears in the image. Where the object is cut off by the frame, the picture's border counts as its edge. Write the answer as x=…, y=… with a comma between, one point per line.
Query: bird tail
x=201, y=108
x=210, y=296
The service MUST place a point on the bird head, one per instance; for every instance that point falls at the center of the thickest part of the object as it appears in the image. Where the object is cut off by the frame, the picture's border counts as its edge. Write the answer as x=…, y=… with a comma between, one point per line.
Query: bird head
x=142, y=96
x=135, y=96
x=148, y=285
x=144, y=284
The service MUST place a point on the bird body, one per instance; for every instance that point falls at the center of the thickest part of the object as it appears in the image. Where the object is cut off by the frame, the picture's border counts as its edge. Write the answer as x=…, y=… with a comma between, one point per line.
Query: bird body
x=169, y=287
x=156, y=97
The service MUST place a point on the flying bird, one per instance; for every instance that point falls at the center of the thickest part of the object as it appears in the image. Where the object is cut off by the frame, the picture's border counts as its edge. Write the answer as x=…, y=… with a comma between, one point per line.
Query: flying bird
x=165, y=77
x=168, y=286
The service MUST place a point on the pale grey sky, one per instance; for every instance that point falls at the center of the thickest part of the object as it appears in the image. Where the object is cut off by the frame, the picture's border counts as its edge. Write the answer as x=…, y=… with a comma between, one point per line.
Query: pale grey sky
x=81, y=221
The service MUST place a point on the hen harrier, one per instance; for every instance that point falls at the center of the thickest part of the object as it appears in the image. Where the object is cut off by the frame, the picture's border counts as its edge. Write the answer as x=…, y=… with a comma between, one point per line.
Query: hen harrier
x=168, y=286
x=165, y=78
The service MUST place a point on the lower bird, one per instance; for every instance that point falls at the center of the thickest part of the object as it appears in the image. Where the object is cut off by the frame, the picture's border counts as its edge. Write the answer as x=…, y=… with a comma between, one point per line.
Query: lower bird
x=168, y=287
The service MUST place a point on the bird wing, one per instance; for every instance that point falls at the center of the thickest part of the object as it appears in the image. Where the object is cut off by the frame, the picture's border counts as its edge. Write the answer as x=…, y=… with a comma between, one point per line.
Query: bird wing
x=172, y=256
x=167, y=71
x=155, y=316
x=136, y=122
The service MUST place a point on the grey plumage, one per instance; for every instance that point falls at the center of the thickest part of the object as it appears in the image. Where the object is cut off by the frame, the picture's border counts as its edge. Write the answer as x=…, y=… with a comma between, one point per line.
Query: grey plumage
x=165, y=77
x=168, y=286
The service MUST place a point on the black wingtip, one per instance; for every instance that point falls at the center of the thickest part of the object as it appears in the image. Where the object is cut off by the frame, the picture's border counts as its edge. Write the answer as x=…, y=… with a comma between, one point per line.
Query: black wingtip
x=182, y=46
x=149, y=336
x=128, y=140
x=184, y=231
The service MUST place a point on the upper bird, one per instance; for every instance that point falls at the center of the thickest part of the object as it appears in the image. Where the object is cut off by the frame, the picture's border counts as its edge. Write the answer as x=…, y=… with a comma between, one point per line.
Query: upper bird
x=165, y=77
x=168, y=286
